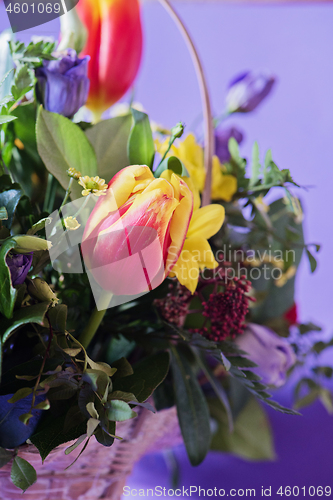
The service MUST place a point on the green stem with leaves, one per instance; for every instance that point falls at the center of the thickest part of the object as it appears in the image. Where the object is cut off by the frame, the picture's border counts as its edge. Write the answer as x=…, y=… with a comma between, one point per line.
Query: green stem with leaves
x=95, y=320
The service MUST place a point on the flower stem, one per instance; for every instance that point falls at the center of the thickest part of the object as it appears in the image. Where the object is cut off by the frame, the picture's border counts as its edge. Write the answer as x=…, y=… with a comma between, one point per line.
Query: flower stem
x=67, y=194
x=95, y=320
x=89, y=332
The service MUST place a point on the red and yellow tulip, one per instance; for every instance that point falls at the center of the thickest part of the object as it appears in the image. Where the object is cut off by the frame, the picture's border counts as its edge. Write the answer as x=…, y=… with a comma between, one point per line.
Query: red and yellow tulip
x=115, y=47
x=136, y=232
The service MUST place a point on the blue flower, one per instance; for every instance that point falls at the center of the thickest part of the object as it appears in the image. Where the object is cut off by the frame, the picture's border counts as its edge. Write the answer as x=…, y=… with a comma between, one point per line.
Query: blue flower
x=13, y=432
x=222, y=140
x=247, y=90
x=63, y=84
x=19, y=266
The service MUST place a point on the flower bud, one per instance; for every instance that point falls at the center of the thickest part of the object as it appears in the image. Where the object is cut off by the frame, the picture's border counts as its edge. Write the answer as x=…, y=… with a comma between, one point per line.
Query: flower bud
x=247, y=90
x=19, y=266
x=273, y=354
x=27, y=244
x=40, y=290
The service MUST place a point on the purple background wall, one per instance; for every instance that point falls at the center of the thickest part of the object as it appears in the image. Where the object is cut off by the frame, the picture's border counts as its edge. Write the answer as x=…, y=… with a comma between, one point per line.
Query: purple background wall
x=295, y=43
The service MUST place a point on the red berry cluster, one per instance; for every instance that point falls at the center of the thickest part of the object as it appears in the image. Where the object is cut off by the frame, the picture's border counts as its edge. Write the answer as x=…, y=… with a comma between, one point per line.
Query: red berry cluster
x=226, y=311
x=174, y=307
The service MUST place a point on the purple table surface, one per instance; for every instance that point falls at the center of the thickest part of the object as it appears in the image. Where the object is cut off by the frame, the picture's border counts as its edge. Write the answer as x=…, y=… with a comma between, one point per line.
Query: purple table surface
x=294, y=42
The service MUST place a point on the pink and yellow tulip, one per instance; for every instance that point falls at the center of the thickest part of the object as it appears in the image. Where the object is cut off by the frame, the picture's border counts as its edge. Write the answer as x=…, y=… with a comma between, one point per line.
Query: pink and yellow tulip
x=136, y=232
x=115, y=47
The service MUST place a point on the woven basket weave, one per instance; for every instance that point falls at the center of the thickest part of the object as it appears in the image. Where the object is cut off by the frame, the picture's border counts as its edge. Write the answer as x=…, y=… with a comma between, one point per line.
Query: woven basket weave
x=100, y=472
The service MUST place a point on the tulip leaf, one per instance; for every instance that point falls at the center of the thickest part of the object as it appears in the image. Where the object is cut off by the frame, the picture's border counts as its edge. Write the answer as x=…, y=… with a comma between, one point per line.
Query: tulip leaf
x=251, y=438
x=141, y=148
x=22, y=474
x=109, y=139
x=7, y=292
x=172, y=163
x=62, y=145
x=192, y=408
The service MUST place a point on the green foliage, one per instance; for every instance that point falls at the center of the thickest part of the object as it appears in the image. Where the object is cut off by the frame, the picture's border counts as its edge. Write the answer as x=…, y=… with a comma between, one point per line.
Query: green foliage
x=22, y=474
x=141, y=148
x=174, y=164
x=120, y=411
x=32, y=54
x=251, y=438
x=109, y=139
x=9, y=199
x=5, y=457
x=7, y=291
x=191, y=408
x=148, y=374
x=62, y=145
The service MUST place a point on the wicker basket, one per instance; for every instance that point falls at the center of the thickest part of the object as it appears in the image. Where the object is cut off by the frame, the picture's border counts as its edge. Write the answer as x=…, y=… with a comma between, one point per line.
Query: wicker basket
x=100, y=472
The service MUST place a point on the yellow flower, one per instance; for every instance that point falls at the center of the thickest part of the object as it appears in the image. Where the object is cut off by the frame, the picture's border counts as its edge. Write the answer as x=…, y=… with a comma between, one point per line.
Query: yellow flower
x=191, y=154
x=71, y=223
x=93, y=185
x=75, y=174
x=197, y=254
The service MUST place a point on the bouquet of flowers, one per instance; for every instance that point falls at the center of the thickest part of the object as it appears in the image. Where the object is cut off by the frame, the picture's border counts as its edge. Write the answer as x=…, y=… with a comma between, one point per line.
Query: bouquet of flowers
x=122, y=285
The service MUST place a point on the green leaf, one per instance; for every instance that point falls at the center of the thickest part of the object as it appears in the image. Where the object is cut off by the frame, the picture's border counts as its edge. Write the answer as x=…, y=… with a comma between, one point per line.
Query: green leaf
x=58, y=317
x=312, y=261
x=6, y=119
x=20, y=394
x=9, y=199
x=31, y=314
x=172, y=163
x=5, y=456
x=252, y=436
x=148, y=374
x=119, y=411
x=23, y=82
x=255, y=165
x=141, y=148
x=22, y=474
x=103, y=437
x=7, y=292
x=191, y=408
x=109, y=139
x=62, y=145
x=51, y=434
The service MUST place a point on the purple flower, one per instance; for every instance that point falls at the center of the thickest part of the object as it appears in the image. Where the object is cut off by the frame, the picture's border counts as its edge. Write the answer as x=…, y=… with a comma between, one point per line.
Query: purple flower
x=247, y=90
x=63, y=84
x=19, y=266
x=222, y=139
x=273, y=354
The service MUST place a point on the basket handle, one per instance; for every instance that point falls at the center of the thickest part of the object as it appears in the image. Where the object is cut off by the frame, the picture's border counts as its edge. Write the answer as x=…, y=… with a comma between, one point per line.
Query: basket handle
x=207, y=113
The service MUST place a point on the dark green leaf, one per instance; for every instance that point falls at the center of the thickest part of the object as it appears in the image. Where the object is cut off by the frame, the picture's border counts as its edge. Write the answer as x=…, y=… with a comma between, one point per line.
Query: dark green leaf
x=50, y=434
x=124, y=369
x=31, y=314
x=312, y=260
x=148, y=374
x=22, y=474
x=141, y=148
x=109, y=139
x=58, y=317
x=7, y=292
x=9, y=199
x=5, y=456
x=61, y=145
x=3, y=213
x=191, y=408
x=103, y=437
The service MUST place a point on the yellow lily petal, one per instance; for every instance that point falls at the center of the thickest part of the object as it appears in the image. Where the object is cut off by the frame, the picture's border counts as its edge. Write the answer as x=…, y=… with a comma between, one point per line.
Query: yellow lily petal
x=186, y=269
x=206, y=221
x=224, y=186
x=201, y=252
